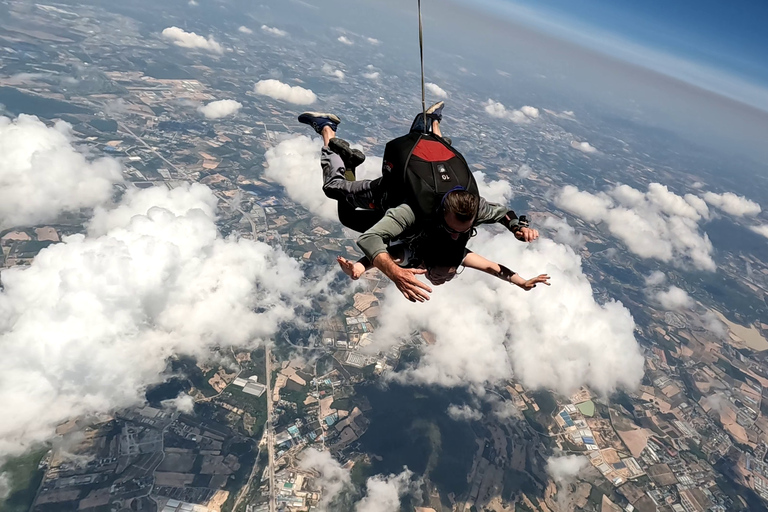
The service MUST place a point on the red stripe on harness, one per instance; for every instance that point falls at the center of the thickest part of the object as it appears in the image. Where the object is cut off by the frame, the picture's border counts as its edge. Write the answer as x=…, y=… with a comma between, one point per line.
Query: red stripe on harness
x=432, y=151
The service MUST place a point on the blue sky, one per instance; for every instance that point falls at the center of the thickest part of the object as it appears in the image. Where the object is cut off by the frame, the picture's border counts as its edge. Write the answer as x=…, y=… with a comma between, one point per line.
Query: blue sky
x=717, y=45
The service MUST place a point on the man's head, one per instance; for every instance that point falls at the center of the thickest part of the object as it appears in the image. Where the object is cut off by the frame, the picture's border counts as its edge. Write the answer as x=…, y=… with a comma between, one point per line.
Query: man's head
x=459, y=211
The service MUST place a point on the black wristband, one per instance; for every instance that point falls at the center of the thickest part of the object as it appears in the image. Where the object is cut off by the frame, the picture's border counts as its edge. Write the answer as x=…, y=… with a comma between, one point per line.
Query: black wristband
x=510, y=221
x=504, y=273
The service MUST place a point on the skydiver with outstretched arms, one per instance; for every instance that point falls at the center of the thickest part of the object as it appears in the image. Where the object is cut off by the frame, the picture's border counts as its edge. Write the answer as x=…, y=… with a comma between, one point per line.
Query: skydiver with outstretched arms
x=436, y=248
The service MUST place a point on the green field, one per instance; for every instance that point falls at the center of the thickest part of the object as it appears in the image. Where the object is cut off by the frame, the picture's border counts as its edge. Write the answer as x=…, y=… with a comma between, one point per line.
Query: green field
x=24, y=480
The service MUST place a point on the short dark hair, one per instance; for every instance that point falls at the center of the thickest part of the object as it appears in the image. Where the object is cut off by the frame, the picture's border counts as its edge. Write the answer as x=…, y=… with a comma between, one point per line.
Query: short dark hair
x=462, y=203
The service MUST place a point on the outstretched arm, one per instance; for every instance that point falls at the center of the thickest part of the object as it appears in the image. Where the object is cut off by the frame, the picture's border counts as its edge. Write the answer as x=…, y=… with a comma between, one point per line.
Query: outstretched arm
x=492, y=212
x=473, y=260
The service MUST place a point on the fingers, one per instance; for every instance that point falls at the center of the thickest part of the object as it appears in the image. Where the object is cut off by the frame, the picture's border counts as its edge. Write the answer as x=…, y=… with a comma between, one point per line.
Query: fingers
x=531, y=235
x=413, y=294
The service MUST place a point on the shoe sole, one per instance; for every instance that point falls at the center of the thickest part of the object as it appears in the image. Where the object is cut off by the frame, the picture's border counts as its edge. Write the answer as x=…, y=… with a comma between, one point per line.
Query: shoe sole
x=330, y=117
x=351, y=157
x=434, y=107
x=313, y=115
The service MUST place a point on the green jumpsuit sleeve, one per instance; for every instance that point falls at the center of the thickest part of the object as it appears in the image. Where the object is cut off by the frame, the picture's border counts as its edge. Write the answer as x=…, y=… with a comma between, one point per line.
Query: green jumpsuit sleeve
x=394, y=223
x=490, y=212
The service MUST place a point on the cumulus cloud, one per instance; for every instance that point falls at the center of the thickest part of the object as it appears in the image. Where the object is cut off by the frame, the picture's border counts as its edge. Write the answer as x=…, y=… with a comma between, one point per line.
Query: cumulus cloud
x=274, y=31
x=655, y=278
x=182, y=403
x=373, y=40
x=552, y=337
x=714, y=325
x=565, y=468
x=524, y=115
x=760, y=230
x=91, y=323
x=383, y=493
x=332, y=478
x=674, y=298
x=117, y=106
x=373, y=75
x=656, y=224
x=562, y=232
x=42, y=174
x=495, y=191
x=295, y=164
x=436, y=90
x=192, y=40
x=5, y=486
x=463, y=413
x=344, y=40
x=732, y=204
x=331, y=71
x=284, y=92
x=220, y=108
x=524, y=171
x=245, y=30
x=584, y=147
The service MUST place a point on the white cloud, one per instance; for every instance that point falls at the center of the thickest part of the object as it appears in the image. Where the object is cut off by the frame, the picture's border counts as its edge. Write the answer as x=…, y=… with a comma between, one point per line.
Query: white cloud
x=43, y=175
x=584, y=147
x=655, y=224
x=531, y=112
x=192, y=40
x=182, y=403
x=655, y=278
x=524, y=171
x=373, y=40
x=490, y=340
x=5, y=486
x=91, y=323
x=345, y=40
x=193, y=3
x=332, y=480
x=331, y=71
x=284, y=92
x=732, y=204
x=674, y=298
x=220, y=108
x=714, y=325
x=562, y=232
x=371, y=168
x=245, y=30
x=374, y=75
x=274, y=31
x=760, y=230
x=383, y=493
x=524, y=115
x=463, y=413
x=565, y=468
x=436, y=90
x=295, y=164
x=495, y=191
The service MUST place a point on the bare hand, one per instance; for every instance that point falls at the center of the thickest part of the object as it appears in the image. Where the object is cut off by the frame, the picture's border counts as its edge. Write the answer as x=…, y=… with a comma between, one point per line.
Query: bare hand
x=411, y=288
x=526, y=234
x=531, y=283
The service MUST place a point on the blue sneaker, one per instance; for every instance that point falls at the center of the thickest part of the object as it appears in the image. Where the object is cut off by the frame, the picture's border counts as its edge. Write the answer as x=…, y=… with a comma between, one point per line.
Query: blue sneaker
x=434, y=113
x=319, y=120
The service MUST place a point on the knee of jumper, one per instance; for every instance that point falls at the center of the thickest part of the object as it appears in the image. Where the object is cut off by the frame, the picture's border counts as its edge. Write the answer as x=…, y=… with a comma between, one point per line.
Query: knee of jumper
x=332, y=190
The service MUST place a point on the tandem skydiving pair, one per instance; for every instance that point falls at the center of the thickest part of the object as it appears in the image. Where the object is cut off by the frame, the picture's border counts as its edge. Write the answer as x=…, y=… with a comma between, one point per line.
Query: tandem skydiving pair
x=419, y=215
